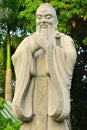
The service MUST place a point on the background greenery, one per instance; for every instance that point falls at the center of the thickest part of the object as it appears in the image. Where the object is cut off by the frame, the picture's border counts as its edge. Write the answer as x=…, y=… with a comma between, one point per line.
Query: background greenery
x=17, y=20
x=7, y=122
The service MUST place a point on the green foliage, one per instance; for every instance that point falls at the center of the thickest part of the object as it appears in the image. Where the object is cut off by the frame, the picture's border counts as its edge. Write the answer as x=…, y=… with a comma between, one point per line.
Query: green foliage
x=2, y=101
x=2, y=71
x=12, y=125
x=15, y=40
x=67, y=11
x=8, y=124
x=2, y=122
x=8, y=12
x=9, y=25
x=85, y=41
x=27, y=15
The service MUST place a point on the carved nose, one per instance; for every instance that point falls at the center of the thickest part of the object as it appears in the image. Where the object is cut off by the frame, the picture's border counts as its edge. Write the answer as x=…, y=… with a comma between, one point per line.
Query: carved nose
x=44, y=20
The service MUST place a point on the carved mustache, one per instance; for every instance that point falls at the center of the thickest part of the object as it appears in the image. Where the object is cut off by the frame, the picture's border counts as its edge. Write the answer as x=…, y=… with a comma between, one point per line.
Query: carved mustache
x=43, y=25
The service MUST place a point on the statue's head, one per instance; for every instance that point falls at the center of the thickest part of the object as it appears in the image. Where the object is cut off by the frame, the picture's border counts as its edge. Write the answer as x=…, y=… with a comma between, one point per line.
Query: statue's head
x=46, y=17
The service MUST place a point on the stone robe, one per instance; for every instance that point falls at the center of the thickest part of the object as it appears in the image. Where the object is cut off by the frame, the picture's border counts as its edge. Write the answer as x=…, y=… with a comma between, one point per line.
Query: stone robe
x=43, y=82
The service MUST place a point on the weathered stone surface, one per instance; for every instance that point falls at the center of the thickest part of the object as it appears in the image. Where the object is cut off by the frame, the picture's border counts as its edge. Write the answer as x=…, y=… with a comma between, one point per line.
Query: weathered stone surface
x=44, y=64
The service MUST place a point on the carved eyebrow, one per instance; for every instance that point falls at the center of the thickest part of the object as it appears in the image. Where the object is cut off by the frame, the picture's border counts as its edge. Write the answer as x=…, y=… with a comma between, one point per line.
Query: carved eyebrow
x=46, y=15
x=39, y=14
x=49, y=15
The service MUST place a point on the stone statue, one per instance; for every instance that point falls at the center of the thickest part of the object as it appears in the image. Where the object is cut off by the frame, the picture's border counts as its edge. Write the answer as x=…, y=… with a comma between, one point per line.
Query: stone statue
x=44, y=64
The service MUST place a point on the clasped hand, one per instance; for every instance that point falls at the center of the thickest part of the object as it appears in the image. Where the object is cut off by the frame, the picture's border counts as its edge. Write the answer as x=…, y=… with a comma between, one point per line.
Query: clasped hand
x=40, y=41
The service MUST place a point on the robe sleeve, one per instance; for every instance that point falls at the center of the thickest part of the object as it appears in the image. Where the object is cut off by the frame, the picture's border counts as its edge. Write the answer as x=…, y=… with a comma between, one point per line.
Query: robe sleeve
x=61, y=65
x=65, y=56
x=22, y=60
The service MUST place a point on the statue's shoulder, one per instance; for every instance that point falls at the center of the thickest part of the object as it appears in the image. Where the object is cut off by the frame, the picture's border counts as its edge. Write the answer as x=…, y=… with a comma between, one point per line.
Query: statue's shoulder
x=66, y=42
x=24, y=44
x=65, y=37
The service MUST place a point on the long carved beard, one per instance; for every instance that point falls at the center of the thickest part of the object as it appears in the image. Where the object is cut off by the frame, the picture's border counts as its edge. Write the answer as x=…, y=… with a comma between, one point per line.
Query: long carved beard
x=48, y=33
x=45, y=33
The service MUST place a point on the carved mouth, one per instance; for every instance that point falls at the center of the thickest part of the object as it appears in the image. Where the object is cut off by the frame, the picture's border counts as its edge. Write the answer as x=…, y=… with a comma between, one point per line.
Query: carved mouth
x=43, y=25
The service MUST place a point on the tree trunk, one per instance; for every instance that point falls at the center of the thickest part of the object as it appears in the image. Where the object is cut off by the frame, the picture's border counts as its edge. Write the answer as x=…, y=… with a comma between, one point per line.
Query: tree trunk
x=8, y=82
x=8, y=85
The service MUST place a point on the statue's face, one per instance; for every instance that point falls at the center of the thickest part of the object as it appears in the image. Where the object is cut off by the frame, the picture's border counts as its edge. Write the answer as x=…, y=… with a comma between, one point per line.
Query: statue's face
x=45, y=19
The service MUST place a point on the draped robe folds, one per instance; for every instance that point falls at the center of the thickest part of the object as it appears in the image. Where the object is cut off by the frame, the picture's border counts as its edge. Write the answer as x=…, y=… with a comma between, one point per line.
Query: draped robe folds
x=60, y=61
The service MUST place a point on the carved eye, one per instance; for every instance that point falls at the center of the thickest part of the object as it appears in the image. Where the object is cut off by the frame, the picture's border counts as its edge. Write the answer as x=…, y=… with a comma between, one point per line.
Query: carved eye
x=39, y=17
x=48, y=16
